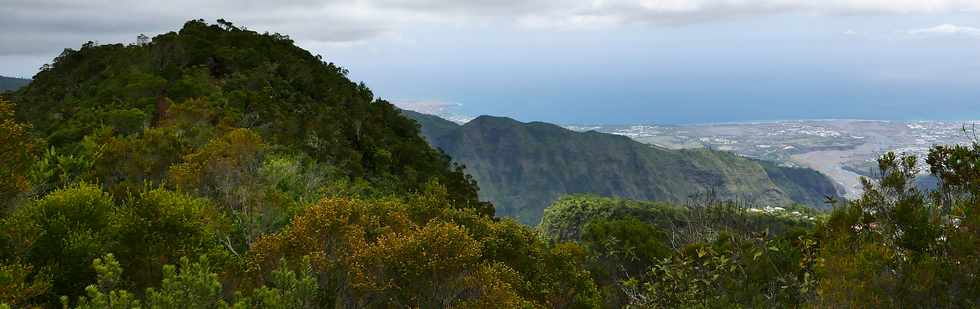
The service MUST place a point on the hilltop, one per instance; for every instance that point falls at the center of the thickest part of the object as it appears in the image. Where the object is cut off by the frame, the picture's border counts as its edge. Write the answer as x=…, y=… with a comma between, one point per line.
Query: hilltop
x=219, y=77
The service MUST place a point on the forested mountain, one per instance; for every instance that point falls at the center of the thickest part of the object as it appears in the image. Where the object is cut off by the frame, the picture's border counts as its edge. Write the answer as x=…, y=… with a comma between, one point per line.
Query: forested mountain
x=218, y=167
x=523, y=167
x=12, y=83
x=227, y=79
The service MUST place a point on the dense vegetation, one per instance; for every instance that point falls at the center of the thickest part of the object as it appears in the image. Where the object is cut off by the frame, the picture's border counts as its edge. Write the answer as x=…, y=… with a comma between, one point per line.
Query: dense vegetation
x=217, y=167
x=260, y=172
x=523, y=167
x=896, y=246
x=709, y=253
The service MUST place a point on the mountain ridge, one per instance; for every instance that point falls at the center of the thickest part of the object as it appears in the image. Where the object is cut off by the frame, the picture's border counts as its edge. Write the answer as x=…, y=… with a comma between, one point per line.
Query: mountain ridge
x=12, y=83
x=523, y=167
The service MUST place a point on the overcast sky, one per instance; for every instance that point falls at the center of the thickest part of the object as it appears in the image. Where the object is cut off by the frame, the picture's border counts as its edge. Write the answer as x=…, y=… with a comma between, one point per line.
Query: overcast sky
x=570, y=61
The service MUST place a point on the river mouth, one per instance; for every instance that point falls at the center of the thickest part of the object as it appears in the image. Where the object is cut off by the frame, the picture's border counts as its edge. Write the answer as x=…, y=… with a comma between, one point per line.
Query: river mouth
x=831, y=163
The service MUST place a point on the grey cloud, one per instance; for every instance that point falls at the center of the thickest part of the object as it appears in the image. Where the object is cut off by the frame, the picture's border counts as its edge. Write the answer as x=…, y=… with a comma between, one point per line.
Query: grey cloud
x=674, y=12
x=475, y=7
x=708, y=11
x=57, y=24
x=39, y=27
x=43, y=26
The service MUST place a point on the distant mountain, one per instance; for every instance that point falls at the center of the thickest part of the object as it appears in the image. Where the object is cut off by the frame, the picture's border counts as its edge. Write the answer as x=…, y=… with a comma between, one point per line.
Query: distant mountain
x=523, y=167
x=433, y=127
x=12, y=83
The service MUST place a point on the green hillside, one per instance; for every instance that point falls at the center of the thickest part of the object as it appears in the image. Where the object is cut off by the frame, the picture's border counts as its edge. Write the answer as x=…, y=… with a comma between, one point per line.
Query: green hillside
x=218, y=167
x=523, y=167
x=224, y=77
x=12, y=83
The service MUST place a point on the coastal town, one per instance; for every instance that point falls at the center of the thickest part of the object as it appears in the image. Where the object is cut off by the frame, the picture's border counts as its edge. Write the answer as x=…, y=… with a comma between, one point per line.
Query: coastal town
x=842, y=149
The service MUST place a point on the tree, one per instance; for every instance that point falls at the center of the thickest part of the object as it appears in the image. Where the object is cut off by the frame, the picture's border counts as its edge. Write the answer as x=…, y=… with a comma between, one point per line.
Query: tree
x=227, y=170
x=286, y=289
x=896, y=247
x=108, y=292
x=62, y=233
x=160, y=226
x=194, y=285
x=16, y=147
x=622, y=249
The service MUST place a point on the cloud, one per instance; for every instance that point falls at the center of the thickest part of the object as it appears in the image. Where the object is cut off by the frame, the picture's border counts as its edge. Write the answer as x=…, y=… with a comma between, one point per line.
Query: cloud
x=678, y=12
x=946, y=30
x=47, y=26
x=573, y=22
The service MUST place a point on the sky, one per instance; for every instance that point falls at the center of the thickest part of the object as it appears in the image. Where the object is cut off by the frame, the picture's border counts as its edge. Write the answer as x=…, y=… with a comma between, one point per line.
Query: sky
x=585, y=62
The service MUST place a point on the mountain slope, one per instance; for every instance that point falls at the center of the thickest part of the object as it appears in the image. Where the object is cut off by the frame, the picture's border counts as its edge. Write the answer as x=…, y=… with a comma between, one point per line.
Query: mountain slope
x=12, y=83
x=252, y=158
x=523, y=167
x=227, y=77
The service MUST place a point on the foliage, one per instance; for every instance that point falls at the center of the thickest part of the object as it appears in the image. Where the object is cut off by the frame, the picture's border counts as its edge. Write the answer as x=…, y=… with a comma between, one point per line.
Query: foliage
x=394, y=252
x=273, y=179
x=16, y=147
x=19, y=284
x=62, y=233
x=195, y=285
x=104, y=294
x=160, y=226
x=228, y=78
x=287, y=289
x=623, y=249
x=649, y=254
x=729, y=272
x=903, y=248
x=701, y=221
